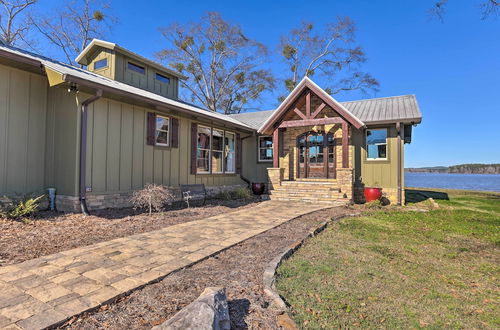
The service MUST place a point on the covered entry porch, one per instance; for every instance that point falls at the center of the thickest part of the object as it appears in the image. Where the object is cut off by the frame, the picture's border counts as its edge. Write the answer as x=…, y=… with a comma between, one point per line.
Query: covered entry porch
x=312, y=149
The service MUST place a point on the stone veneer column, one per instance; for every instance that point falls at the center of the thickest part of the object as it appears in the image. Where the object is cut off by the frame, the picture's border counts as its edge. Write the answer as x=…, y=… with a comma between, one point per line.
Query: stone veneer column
x=345, y=182
x=275, y=175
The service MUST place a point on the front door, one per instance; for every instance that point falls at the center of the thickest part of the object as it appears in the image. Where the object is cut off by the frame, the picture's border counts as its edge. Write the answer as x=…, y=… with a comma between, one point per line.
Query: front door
x=316, y=155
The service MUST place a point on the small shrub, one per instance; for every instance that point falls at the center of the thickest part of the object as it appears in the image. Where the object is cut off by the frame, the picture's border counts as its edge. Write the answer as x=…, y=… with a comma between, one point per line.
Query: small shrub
x=242, y=193
x=21, y=208
x=238, y=193
x=152, y=197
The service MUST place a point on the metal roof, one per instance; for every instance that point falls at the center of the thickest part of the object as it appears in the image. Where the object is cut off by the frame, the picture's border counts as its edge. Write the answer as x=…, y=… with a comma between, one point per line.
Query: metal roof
x=402, y=108
x=381, y=110
x=78, y=75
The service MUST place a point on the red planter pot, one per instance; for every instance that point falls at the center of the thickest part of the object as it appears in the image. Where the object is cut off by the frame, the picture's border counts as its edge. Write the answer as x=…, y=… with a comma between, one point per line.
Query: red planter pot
x=258, y=188
x=373, y=194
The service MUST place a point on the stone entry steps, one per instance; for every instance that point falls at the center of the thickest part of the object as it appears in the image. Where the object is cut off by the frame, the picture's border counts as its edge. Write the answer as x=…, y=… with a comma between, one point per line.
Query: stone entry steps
x=311, y=192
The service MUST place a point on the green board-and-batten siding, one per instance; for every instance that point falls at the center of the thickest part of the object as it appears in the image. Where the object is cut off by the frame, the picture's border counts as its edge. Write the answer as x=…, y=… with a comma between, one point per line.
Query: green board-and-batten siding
x=23, y=110
x=119, y=160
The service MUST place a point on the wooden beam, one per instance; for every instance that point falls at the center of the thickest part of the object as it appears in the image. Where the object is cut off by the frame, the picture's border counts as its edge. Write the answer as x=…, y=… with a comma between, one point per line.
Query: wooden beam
x=318, y=110
x=308, y=104
x=345, y=145
x=312, y=122
x=301, y=115
x=276, y=159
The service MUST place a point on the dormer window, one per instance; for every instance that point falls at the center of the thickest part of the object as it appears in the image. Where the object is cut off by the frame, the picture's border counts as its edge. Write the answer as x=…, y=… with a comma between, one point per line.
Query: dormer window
x=162, y=78
x=100, y=64
x=136, y=68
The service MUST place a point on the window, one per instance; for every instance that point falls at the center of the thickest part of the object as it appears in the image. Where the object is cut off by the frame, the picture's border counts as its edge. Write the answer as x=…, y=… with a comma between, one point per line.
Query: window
x=100, y=64
x=265, y=149
x=376, y=143
x=136, y=68
x=162, y=78
x=229, y=153
x=162, y=131
x=203, y=150
x=215, y=151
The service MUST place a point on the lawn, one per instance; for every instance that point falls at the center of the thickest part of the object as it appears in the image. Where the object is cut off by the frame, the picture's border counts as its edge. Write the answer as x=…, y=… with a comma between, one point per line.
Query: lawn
x=393, y=268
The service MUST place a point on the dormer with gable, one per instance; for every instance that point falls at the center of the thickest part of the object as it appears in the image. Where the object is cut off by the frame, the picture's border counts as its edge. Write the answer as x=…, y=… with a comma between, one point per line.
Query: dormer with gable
x=117, y=63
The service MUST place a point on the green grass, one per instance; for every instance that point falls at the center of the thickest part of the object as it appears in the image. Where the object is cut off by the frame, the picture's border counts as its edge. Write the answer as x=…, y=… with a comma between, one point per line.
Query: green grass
x=436, y=269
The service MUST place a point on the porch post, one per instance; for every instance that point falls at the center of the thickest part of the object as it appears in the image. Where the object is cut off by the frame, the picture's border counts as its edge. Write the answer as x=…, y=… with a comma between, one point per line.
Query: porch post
x=345, y=145
x=276, y=158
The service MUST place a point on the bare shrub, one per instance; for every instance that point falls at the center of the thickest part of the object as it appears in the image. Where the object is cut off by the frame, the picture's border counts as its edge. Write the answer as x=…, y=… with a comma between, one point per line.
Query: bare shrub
x=152, y=197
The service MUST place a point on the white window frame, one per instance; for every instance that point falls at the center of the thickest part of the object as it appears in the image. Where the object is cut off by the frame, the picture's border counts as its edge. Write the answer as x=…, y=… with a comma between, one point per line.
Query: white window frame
x=162, y=130
x=229, y=152
x=211, y=150
x=386, y=144
x=259, y=149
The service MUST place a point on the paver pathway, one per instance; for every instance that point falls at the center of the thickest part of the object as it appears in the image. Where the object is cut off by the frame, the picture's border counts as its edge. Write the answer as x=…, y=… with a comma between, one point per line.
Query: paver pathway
x=48, y=290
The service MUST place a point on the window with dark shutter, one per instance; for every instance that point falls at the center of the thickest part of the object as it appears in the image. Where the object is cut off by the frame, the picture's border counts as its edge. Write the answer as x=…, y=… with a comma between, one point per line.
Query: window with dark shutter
x=174, y=137
x=151, y=125
x=194, y=143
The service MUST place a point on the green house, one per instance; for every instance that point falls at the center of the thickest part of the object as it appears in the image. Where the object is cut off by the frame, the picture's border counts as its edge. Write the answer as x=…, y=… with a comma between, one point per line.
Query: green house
x=98, y=134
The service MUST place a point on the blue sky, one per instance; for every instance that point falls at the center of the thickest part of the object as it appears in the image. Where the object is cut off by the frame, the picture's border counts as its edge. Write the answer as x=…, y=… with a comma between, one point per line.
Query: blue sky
x=452, y=67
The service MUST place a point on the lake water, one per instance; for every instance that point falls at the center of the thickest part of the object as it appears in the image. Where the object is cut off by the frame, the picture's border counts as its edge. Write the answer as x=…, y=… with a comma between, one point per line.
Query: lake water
x=487, y=182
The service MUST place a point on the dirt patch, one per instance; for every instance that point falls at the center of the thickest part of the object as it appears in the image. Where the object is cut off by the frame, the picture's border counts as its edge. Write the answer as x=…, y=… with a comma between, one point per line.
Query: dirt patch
x=52, y=232
x=239, y=269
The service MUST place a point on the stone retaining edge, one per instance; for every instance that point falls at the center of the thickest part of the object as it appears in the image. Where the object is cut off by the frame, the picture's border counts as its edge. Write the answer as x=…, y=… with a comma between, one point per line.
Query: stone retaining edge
x=269, y=279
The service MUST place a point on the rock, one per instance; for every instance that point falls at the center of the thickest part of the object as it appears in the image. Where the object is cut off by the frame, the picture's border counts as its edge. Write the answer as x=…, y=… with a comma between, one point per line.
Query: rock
x=285, y=322
x=434, y=205
x=208, y=311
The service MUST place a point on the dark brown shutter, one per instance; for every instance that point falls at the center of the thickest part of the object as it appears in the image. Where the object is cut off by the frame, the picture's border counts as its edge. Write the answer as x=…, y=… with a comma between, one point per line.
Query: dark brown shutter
x=238, y=153
x=174, y=136
x=194, y=142
x=150, y=135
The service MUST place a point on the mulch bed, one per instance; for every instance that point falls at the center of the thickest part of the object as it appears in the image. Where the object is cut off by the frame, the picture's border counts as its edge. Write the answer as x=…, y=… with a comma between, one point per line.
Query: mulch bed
x=51, y=232
x=239, y=269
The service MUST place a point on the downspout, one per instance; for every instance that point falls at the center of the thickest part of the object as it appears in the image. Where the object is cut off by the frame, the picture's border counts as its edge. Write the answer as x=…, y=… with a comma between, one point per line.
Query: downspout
x=399, y=129
x=83, y=149
x=241, y=169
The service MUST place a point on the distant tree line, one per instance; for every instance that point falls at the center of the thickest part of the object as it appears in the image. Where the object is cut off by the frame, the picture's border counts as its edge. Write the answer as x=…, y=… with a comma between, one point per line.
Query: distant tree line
x=462, y=168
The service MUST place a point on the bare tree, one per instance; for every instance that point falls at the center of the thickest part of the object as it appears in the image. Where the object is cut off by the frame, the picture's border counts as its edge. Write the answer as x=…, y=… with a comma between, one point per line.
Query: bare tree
x=73, y=27
x=488, y=8
x=329, y=53
x=14, y=26
x=221, y=63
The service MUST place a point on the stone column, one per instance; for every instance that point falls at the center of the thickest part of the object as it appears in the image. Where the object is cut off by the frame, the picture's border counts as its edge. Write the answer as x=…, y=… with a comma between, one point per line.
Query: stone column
x=345, y=182
x=275, y=175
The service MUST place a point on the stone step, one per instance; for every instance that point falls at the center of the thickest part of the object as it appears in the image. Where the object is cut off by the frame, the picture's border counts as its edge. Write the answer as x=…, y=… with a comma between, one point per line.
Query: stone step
x=307, y=200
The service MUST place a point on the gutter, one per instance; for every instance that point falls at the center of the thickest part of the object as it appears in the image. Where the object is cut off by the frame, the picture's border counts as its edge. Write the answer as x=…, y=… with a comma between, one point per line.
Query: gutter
x=116, y=91
x=83, y=150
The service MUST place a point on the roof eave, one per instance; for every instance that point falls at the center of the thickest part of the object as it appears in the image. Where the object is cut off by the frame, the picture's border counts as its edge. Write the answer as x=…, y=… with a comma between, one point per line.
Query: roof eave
x=412, y=121
x=116, y=91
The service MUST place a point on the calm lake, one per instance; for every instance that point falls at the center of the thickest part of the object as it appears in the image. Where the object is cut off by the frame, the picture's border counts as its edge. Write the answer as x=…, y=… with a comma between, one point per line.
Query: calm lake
x=488, y=182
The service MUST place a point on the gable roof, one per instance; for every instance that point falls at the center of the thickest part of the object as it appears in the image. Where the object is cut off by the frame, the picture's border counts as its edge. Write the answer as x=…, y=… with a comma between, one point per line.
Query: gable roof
x=374, y=111
x=82, y=58
x=327, y=98
x=83, y=77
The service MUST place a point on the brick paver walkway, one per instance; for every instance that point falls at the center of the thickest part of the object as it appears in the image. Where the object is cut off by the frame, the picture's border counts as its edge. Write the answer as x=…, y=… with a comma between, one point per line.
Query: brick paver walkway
x=41, y=292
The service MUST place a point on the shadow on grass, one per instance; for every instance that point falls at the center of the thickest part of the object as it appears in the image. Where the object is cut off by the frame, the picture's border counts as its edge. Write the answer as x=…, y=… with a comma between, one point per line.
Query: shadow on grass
x=418, y=195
